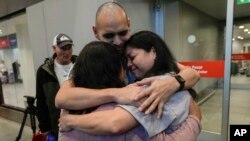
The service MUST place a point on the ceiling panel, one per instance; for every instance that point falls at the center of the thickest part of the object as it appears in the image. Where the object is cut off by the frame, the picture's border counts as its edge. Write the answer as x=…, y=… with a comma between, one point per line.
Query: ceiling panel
x=217, y=8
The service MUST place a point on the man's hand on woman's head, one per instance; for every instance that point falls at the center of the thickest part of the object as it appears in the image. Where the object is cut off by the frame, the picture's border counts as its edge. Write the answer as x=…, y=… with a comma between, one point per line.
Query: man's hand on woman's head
x=157, y=94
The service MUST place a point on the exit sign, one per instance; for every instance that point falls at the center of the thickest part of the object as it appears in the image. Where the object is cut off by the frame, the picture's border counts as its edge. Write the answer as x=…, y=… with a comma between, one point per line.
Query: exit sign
x=242, y=2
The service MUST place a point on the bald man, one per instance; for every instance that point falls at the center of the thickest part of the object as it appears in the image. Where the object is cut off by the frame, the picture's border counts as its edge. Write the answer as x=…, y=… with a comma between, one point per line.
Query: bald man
x=112, y=24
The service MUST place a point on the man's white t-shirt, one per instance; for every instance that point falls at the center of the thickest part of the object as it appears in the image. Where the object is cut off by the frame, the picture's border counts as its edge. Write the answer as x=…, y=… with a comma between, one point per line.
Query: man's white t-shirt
x=62, y=71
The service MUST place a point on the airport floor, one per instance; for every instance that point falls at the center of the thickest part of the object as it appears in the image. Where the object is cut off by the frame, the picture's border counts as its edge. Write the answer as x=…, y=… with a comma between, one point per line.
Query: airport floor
x=9, y=131
x=211, y=111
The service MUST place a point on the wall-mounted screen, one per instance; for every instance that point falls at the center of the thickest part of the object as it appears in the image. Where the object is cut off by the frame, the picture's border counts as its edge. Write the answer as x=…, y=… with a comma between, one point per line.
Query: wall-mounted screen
x=8, y=41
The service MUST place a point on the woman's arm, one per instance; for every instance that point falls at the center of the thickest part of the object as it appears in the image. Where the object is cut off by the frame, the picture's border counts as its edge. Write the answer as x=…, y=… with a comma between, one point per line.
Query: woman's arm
x=189, y=129
x=76, y=98
x=112, y=121
x=160, y=90
x=117, y=120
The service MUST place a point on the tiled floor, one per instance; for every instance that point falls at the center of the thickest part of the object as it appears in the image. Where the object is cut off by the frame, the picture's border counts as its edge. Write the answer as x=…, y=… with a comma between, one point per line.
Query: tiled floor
x=9, y=131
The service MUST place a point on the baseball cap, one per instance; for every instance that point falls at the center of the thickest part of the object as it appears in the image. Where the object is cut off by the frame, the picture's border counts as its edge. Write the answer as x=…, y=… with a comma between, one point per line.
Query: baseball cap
x=61, y=40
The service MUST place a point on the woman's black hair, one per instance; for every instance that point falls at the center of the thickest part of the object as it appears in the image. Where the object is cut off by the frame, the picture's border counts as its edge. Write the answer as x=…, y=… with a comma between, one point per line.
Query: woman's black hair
x=147, y=40
x=164, y=62
x=99, y=65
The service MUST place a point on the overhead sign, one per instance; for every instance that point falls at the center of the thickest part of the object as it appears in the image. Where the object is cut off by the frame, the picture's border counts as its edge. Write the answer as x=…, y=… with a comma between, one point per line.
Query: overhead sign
x=242, y=2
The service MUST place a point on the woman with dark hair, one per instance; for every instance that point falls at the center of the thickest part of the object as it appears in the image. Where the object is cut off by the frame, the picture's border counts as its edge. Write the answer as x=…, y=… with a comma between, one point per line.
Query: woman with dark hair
x=99, y=65
x=164, y=61
x=148, y=55
x=103, y=121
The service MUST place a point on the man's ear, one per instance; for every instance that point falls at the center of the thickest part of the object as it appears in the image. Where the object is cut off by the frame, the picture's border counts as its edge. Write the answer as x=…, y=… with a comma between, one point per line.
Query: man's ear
x=129, y=24
x=54, y=48
x=95, y=31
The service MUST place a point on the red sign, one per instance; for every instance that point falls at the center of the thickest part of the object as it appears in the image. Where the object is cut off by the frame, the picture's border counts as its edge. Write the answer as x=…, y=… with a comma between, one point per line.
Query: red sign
x=245, y=56
x=210, y=69
x=4, y=43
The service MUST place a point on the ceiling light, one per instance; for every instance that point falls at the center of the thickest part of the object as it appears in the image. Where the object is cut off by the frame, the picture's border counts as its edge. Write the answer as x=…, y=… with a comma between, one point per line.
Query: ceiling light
x=240, y=37
x=246, y=30
x=241, y=27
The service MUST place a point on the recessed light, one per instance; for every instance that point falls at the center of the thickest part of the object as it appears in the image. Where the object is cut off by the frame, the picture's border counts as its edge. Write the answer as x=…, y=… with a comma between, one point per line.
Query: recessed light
x=241, y=27
x=240, y=37
x=246, y=30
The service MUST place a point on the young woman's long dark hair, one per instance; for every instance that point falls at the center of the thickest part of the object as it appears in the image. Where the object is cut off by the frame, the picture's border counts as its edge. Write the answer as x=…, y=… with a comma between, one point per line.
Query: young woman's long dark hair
x=147, y=40
x=99, y=65
x=164, y=62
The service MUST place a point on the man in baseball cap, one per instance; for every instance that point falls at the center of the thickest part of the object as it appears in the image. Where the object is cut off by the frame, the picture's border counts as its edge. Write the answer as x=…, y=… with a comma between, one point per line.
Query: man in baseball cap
x=62, y=46
x=50, y=75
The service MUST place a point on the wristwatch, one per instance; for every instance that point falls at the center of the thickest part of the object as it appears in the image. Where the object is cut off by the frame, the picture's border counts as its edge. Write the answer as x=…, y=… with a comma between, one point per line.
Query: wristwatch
x=181, y=81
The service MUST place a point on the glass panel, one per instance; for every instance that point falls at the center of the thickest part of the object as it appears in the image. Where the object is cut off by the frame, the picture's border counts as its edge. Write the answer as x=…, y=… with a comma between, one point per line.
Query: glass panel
x=17, y=70
x=240, y=98
x=194, y=31
x=202, y=35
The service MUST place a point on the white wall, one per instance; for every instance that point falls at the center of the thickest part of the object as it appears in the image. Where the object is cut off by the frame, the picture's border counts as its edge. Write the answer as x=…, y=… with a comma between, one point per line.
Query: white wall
x=140, y=14
x=37, y=33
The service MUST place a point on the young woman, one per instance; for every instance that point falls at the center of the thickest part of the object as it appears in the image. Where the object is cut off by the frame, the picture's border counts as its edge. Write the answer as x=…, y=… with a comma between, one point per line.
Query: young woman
x=111, y=119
